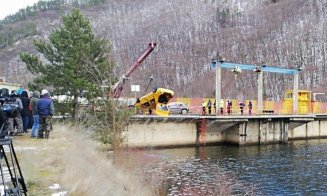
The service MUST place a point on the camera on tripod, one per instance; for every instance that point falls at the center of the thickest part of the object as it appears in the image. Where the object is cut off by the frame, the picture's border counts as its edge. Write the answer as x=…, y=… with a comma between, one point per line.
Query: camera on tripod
x=13, y=182
x=8, y=109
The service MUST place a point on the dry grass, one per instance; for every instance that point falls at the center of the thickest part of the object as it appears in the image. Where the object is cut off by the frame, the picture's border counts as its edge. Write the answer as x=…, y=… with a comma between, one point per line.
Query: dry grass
x=82, y=167
x=78, y=164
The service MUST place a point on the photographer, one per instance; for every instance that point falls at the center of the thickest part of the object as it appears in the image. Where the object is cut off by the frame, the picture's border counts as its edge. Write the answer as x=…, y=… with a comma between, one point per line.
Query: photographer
x=3, y=127
x=12, y=107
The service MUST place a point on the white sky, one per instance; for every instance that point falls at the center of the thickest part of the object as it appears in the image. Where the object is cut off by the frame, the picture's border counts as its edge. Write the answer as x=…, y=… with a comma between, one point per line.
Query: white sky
x=12, y=6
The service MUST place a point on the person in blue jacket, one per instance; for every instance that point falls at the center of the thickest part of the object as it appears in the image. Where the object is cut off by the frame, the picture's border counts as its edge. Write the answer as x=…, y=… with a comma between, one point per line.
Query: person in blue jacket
x=45, y=110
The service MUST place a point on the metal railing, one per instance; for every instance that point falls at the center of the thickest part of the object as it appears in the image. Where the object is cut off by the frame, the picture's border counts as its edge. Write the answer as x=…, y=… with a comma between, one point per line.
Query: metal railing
x=269, y=107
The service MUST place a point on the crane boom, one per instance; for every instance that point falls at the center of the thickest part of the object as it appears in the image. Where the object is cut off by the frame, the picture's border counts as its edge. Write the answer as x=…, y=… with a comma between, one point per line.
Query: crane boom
x=118, y=86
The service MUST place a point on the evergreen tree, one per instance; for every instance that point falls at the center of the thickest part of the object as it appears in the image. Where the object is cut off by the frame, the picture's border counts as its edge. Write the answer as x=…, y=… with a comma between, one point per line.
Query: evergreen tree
x=73, y=61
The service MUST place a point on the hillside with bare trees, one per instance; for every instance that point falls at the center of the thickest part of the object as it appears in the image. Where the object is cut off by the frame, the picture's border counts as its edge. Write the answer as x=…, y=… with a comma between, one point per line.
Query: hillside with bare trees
x=282, y=33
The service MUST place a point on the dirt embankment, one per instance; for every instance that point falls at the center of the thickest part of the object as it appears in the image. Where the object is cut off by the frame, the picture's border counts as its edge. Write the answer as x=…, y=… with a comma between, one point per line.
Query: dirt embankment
x=70, y=163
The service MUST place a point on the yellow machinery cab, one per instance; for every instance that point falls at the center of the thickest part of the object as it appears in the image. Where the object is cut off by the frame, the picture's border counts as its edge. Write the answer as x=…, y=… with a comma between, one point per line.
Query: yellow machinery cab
x=155, y=100
x=304, y=101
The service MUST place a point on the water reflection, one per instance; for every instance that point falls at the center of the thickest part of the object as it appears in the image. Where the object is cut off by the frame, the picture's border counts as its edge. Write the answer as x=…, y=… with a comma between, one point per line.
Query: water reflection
x=296, y=168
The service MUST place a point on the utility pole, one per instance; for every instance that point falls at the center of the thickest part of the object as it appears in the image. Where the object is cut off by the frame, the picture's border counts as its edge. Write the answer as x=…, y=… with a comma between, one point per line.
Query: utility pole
x=260, y=92
x=295, y=93
x=218, y=83
x=216, y=63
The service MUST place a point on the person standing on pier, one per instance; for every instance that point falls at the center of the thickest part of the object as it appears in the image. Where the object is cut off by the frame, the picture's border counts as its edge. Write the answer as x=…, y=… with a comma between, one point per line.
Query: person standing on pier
x=242, y=107
x=228, y=107
x=203, y=107
x=221, y=106
x=209, y=106
x=250, y=107
x=215, y=106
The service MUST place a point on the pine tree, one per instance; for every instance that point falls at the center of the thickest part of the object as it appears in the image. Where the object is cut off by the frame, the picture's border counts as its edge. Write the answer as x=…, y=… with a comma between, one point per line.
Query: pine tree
x=72, y=61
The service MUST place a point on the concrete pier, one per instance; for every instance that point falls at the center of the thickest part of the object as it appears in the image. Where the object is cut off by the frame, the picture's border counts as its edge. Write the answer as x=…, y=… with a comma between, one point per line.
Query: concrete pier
x=195, y=130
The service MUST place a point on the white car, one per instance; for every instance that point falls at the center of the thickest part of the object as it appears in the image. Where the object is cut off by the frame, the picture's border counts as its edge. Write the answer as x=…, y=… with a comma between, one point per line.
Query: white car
x=178, y=108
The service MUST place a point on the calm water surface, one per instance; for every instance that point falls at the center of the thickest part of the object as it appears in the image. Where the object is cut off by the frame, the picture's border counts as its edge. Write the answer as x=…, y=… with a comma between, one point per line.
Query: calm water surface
x=296, y=168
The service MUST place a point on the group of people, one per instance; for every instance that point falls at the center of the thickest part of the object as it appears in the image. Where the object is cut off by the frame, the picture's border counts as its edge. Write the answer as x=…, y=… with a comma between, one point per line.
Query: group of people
x=229, y=107
x=24, y=112
x=241, y=105
x=209, y=106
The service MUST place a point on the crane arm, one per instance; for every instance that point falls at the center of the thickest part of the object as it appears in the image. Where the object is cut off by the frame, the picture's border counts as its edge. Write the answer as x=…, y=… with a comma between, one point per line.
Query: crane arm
x=118, y=86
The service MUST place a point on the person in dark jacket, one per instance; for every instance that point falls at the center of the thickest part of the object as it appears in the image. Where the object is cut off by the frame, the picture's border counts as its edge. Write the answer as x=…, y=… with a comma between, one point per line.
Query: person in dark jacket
x=25, y=112
x=242, y=105
x=250, y=107
x=15, y=122
x=45, y=110
x=3, y=127
x=34, y=100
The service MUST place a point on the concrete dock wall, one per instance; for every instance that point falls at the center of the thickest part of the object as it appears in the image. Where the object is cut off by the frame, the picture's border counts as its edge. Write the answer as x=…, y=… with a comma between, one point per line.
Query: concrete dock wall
x=314, y=129
x=188, y=131
x=160, y=134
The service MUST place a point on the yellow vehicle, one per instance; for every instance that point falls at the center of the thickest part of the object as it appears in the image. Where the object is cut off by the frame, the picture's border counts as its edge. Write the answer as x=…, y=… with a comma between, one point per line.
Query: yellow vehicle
x=156, y=100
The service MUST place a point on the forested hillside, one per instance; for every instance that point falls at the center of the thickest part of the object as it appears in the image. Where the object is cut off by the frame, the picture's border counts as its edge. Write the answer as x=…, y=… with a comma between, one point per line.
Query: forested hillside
x=283, y=33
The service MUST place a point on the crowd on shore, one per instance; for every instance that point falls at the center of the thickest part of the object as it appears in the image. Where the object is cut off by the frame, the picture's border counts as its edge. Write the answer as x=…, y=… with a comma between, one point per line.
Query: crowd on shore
x=22, y=110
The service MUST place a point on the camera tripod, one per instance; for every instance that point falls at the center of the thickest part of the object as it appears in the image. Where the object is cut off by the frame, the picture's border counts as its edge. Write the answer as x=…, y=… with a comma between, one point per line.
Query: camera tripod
x=12, y=180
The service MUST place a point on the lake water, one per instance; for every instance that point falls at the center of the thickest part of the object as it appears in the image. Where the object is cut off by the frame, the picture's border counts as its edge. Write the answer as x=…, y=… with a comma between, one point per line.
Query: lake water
x=296, y=168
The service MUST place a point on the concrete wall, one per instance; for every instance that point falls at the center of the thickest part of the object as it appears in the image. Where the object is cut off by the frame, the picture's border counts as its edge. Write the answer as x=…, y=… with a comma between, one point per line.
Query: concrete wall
x=232, y=134
x=186, y=132
x=160, y=134
x=257, y=131
x=251, y=129
x=272, y=131
x=144, y=134
x=212, y=137
x=314, y=129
